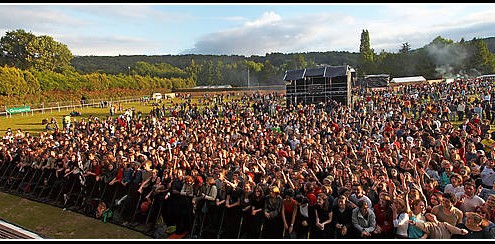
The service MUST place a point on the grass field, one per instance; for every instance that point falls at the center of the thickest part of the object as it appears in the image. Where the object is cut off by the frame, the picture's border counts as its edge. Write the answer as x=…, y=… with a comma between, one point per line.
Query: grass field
x=31, y=122
x=54, y=223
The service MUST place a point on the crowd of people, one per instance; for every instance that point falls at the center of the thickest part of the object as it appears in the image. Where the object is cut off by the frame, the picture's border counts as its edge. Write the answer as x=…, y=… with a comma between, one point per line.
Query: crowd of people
x=414, y=162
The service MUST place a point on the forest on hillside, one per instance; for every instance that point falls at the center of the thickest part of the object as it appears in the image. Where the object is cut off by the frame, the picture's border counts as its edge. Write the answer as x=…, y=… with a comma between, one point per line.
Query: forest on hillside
x=442, y=58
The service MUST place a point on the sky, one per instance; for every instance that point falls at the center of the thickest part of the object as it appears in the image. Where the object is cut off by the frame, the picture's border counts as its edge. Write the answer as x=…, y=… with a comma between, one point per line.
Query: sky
x=112, y=29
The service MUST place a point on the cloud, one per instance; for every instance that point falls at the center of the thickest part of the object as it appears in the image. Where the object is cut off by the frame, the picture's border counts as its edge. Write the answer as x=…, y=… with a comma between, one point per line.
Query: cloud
x=419, y=25
x=267, y=18
x=389, y=28
x=36, y=19
x=272, y=33
x=110, y=45
x=155, y=30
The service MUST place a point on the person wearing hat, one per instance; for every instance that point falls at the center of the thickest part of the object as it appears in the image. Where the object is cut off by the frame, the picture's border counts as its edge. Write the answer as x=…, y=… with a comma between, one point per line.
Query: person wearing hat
x=273, y=226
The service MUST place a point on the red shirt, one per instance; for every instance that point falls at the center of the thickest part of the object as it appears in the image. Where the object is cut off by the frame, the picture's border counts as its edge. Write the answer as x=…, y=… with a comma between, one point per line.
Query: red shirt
x=384, y=220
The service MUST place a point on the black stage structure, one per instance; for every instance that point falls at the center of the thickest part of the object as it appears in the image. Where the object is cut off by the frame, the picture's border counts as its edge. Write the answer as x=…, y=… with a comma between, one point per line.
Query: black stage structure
x=315, y=85
x=376, y=81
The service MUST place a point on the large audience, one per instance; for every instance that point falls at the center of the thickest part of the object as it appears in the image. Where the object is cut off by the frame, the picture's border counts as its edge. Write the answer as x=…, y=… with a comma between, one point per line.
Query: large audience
x=414, y=161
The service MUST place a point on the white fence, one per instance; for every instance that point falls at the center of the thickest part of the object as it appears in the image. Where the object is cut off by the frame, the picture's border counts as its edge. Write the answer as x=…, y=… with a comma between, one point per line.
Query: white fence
x=69, y=105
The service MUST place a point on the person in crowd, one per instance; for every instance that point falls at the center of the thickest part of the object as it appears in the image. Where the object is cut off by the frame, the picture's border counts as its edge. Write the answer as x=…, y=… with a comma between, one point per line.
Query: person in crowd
x=400, y=218
x=245, y=205
x=257, y=215
x=437, y=229
x=323, y=215
x=469, y=201
x=363, y=220
x=342, y=218
x=233, y=212
x=435, y=199
x=301, y=226
x=446, y=211
x=384, y=217
x=416, y=214
x=185, y=201
x=474, y=226
x=289, y=213
x=456, y=185
x=272, y=221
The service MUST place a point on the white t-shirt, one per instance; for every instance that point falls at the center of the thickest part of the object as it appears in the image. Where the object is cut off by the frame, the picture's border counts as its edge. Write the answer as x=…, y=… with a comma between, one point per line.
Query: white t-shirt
x=487, y=176
x=458, y=191
x=470, y=203
x=401, y=224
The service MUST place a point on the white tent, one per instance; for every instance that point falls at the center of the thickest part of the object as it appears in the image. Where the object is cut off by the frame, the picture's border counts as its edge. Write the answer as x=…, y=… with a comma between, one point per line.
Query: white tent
x=408, y=80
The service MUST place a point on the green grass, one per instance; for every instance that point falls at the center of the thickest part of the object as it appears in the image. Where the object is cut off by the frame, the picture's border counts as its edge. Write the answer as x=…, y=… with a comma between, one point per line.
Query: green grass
x=31, y=122
x=54, y=223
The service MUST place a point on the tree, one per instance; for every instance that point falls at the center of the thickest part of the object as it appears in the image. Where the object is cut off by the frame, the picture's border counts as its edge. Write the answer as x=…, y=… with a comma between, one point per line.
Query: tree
x=48, y=54
x=440, y=41
x=482, y=59
x=300, y=61
x=14, y=48
x=193, y=71
x=405, y=49
x=367, y=55
x=253, y=68
x=25, y=50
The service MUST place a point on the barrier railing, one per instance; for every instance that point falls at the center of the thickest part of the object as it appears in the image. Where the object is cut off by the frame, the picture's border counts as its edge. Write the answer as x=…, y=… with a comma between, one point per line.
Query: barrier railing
x=59, y=106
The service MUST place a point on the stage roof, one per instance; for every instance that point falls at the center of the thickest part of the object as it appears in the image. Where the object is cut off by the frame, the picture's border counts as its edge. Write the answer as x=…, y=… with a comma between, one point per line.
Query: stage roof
x=327, y=71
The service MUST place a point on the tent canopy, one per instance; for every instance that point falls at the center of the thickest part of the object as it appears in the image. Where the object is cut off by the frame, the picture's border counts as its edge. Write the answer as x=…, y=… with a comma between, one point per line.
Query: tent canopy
x=410, y=79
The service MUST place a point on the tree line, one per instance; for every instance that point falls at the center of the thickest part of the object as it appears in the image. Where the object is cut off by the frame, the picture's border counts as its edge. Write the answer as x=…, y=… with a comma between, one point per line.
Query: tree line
x=31, y=64
x=441, y=58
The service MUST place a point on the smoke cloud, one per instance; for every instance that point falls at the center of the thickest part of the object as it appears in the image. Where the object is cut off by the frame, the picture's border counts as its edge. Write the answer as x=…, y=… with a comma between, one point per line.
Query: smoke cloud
x=447, y=58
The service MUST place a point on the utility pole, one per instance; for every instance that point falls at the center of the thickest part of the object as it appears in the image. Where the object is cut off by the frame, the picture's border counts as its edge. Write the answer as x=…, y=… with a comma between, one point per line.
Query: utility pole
x=248, y=76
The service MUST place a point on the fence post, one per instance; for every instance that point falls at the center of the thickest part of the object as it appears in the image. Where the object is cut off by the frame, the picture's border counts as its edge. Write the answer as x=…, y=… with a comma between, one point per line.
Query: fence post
x=6, y=113
x=58, y=105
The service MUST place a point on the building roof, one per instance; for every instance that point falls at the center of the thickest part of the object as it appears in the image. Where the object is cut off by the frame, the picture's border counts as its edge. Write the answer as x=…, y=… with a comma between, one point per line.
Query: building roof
x=408, y=79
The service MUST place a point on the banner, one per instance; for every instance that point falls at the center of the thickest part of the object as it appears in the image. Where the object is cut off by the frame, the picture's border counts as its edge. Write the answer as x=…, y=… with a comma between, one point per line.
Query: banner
x=23, y=109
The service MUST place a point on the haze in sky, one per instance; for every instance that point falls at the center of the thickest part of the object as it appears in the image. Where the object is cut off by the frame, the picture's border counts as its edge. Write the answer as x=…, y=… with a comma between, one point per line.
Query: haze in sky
x=245, y=29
